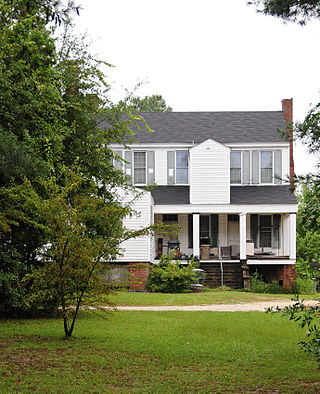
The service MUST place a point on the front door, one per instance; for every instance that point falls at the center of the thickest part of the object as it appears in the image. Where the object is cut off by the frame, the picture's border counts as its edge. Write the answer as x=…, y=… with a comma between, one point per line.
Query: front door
x=233, y=233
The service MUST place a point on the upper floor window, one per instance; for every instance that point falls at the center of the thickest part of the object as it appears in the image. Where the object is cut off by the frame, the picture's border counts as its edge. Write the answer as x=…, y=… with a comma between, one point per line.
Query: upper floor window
x=266, y=167
x=138, y=165
x=253, y=167
x=235, y=167
x=139, y=168
x=181, y=167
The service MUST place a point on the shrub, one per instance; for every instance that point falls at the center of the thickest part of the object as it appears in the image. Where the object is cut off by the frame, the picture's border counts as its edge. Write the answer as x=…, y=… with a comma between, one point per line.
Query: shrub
x=303, y=286
x=257, y=285
x=170, y=277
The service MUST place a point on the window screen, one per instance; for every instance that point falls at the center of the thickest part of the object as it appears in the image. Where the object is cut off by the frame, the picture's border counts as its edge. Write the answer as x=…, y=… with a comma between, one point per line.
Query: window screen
x=266, y=167
x=139, y=165
x=235, y=167
x=182, y=167
x=170, y=217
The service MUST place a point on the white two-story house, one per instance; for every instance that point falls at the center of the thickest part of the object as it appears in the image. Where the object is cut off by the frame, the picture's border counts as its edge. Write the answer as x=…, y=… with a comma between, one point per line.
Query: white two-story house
x=224, y=178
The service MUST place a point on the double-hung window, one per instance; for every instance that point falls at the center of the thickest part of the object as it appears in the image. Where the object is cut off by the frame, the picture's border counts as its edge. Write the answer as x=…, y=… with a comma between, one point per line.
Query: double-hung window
x=265, y=230
x=235, y=167
x=266, y=167
x=139, y=168
x=182, y=167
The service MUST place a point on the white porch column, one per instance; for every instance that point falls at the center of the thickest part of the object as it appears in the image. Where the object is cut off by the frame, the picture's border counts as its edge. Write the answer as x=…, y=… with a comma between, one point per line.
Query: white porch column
x=196, y=234
x=292, y=232
x=243, y=236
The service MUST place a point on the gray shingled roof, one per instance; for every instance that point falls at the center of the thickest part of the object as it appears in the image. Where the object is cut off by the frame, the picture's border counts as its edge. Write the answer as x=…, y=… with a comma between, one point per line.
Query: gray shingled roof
x=224, y=127
x=262, y=195
x=178, y=195
x=164, y=195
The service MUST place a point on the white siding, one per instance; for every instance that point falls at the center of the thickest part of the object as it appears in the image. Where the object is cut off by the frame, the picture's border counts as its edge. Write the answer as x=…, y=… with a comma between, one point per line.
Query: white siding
x=161, y=167
x=210, y=173
x=138, y=249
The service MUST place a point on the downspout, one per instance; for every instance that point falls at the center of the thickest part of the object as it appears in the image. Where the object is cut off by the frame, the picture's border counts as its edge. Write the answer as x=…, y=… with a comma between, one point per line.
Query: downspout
x=221, y=265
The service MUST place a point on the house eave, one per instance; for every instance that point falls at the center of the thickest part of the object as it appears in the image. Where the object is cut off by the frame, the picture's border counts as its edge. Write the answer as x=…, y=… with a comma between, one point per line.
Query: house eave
x=271, y=262
x=228, y=208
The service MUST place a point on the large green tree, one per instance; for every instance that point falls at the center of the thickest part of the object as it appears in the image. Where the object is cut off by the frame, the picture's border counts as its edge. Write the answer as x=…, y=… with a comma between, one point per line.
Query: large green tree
x=308, y=229
x=85, y=232
x=51, y=104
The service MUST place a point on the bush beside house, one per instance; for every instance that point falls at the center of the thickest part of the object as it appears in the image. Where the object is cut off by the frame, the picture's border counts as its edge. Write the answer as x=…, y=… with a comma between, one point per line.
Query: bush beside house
x=171, y=277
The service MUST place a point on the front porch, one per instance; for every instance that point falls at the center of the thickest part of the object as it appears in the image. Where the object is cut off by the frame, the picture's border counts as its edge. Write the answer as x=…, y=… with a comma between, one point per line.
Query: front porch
x=257, y=238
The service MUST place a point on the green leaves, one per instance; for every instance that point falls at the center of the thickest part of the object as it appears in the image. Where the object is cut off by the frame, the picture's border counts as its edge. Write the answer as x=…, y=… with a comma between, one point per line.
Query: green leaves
x=299, y=11
x=170, y=277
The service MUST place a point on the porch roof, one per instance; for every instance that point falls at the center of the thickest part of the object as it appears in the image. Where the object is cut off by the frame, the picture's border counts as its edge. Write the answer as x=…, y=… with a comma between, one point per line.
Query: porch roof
x=180, y=195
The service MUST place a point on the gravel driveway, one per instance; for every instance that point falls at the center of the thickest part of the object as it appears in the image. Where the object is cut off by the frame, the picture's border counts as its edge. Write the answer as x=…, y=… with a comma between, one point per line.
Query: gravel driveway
x=245, y=307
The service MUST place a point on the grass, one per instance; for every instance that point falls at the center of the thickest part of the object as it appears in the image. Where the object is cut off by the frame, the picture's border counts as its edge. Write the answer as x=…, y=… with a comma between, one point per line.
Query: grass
x=125, y=298
x=156, y=352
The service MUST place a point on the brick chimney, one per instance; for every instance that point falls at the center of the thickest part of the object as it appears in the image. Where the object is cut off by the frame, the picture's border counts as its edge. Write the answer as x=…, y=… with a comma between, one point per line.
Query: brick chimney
x=287, y=108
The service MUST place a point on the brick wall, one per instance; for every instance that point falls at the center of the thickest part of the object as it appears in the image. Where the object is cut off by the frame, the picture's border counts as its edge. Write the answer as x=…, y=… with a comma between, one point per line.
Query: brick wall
x=289, y=275
x=287, y=107
x=279, y=273
x=139, y=273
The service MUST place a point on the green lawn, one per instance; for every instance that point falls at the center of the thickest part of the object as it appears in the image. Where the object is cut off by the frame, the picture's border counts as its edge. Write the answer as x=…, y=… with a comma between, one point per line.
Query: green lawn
x=157, y=352
x=210, y=297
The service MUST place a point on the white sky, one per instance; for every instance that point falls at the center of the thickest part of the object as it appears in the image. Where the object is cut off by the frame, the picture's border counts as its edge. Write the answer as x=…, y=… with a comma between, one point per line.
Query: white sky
x=207, y=55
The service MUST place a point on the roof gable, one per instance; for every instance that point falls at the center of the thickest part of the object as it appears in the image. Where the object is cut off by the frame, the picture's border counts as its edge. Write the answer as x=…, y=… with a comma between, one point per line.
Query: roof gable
x=208, y=144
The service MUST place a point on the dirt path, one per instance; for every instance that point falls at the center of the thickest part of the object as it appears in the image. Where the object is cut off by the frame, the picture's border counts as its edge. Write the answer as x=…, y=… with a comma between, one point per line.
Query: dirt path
x=245, y=307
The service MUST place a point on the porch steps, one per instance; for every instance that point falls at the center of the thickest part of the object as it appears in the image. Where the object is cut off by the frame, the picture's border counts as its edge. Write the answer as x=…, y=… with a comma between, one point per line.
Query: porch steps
x=232, y=274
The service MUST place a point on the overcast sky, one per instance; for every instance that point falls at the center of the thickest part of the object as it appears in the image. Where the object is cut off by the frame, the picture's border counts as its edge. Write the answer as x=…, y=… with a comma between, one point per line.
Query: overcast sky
x=207, y=55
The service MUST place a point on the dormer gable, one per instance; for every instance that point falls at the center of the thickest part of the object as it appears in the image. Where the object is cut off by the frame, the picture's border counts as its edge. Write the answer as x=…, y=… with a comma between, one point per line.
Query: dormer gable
x=210, y=173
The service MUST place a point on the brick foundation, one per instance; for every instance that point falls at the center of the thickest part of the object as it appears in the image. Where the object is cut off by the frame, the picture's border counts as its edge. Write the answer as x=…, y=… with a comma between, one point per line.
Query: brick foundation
x=139, y=273
x=289, y=276
x=283, y=274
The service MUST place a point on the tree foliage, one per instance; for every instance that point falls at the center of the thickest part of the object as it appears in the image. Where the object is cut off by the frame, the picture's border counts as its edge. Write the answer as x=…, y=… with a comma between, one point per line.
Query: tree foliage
x=308, y=228
x=84, y=233
x=299, y=11
x=171, y=277
x=56, y=11
x=53, y=99
x=31, y=107
x=309, y=130
x=154, y=103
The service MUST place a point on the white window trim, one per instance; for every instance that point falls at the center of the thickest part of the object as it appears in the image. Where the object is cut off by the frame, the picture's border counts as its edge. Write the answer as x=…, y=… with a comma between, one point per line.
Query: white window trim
x=146, y=172
x=175, y=167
